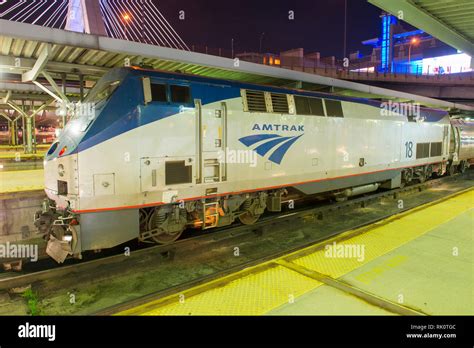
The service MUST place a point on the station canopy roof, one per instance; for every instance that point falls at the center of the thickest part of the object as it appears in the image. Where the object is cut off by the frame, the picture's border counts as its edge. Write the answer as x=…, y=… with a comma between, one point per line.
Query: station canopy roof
x=90, y=55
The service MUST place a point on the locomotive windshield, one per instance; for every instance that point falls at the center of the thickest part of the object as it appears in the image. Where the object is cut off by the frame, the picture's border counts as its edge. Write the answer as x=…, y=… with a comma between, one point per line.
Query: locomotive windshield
x=102, y=93
x=85, y=112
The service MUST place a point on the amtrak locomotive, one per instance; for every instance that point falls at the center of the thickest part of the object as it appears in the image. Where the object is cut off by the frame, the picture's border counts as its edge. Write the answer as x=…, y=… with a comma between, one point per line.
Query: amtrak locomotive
x=161, y=152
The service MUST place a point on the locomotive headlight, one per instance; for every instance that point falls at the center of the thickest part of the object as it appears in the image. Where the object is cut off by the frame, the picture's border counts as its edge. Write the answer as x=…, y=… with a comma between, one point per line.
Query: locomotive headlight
x=61, y=170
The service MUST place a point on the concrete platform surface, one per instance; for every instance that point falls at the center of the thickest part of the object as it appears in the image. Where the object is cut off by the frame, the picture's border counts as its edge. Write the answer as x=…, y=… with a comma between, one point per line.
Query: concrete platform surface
x=21, y=180
x=433, y=274
x=418, y=262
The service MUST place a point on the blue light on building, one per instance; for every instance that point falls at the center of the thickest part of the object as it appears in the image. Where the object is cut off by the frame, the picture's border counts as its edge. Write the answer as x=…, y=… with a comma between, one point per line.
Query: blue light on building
x=403, y=49
x=386, y=42
x=405, y=67
x=408, y=34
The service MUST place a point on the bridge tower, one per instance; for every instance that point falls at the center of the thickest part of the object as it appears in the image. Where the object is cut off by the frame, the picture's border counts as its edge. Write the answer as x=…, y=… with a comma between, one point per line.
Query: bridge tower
x=84, y=16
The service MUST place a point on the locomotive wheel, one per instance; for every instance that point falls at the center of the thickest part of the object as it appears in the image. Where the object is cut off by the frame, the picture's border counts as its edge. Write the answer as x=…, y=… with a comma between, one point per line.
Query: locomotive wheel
x=166, y=237
x=462, y=167
x=248, y=218
x=429, y=171
x=421, y=175
x=144, y=217
x=451, y=170
x=407, y=177
x=421, y=178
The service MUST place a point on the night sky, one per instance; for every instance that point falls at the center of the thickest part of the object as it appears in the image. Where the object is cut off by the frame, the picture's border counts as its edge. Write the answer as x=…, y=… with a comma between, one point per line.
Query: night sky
x=318, y=24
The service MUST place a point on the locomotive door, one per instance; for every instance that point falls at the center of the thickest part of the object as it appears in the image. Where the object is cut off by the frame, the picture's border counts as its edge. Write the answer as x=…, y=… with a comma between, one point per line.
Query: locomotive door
x=211, y=140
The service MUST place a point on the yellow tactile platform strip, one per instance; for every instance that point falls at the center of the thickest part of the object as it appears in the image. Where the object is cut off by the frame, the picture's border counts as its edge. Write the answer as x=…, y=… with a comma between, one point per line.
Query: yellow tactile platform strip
x=271, y=285
x=20, y=147
x=23, y=156
x=388, y=237
x=255, y=293
x=21, y=180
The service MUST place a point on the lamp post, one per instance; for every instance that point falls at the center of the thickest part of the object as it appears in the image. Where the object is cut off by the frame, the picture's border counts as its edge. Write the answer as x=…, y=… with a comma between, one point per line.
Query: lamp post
x=261, y=38
x=125, y=18
x=345, y=29
x=413, y=41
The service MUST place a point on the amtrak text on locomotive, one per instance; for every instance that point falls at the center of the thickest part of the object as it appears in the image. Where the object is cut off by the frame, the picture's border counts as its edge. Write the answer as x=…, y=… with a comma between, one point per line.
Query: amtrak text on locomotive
x=278, y=127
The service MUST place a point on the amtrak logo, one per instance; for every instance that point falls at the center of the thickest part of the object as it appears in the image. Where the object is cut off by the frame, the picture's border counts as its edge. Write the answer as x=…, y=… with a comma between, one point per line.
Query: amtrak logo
x=278, y=127
x=268, y=142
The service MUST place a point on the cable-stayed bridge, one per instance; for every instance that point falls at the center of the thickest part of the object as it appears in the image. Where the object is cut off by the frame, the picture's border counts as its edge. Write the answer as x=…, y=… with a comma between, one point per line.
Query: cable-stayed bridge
x=134, y=20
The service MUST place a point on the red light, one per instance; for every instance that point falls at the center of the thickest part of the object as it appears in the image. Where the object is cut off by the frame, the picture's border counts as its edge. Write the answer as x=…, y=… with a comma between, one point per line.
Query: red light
x=63, y=150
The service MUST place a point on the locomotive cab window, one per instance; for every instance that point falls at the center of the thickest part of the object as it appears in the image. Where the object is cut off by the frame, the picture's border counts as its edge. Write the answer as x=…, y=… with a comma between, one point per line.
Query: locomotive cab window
x=333, y=108
x=102, y=94
x=158, y=92
x=180, y=94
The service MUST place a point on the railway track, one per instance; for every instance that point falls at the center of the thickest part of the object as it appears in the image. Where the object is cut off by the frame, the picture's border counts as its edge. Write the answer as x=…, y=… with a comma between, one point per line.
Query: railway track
x=311, y=246
x=198, y=244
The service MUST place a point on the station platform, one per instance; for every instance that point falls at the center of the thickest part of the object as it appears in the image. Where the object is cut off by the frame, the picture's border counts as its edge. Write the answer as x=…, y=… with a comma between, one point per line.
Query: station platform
x=13, y=158
x=42, y=147
x=419, y=262
x=21, y=180
x=17, y=152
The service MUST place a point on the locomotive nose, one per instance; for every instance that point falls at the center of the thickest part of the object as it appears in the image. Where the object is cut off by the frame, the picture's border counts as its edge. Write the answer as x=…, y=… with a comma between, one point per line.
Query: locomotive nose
x=63, y=146
x=60, y=171
x=60, y=176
